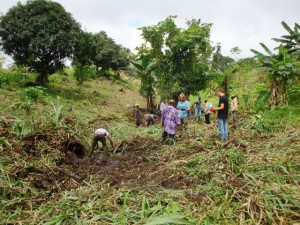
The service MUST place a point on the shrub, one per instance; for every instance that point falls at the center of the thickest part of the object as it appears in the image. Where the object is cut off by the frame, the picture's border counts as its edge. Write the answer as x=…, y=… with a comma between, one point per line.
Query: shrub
x=33, y=93
x=83, y=73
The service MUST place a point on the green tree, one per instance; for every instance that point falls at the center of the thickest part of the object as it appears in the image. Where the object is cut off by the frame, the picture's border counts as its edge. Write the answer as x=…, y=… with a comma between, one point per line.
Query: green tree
x=108, y=54
x=181, y=55
x=235, y=51
x=101, y=51
x=39, y=34
x=292, y=40
x=144, y=68
x=282, y=68
x=85, y=49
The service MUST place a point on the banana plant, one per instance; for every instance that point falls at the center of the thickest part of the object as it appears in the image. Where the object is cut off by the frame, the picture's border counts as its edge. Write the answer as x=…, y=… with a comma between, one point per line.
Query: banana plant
x=281, y=68
x=292, y=40
x=144, y=68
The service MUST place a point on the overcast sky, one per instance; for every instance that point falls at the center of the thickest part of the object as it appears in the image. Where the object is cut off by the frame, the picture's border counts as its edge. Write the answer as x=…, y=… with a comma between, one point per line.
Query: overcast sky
x=242, y=23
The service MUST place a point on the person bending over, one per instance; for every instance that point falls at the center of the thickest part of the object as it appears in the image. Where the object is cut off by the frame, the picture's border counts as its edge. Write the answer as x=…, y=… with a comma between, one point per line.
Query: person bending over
x=100, y=135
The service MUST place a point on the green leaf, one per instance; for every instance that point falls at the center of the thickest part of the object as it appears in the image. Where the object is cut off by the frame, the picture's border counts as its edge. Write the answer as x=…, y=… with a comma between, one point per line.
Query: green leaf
x=266, y=49
x=287, y=27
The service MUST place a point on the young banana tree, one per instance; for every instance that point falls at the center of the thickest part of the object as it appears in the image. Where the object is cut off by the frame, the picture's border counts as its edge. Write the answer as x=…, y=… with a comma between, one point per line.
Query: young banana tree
x=282, y=68
x=144, y=68
x=292, y=40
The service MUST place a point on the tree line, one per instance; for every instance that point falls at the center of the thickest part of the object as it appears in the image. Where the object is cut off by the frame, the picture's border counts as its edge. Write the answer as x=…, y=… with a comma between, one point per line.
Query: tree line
x=41, y=35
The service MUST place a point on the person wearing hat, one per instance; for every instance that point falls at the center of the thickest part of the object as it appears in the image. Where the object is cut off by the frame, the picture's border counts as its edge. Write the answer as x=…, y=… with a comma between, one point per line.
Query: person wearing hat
x=234, y=109
x=137, y=115
x=170, y=122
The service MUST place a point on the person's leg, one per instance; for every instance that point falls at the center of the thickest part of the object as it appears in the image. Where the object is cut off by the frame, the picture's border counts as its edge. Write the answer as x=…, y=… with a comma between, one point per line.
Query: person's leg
x=181, y=124
x=234, y=117
x=206, y=118
x=164, y=136
x=225, y=130
x=221, y=128
x=196, y=113
x=102, y=139
x=94, y=144
x=185, y=122
x=171, y=139
x=152, y=122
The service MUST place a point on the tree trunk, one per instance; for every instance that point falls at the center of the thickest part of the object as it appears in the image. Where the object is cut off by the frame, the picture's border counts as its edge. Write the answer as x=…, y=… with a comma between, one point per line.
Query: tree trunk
x=225, y=83
x=43, y=79
x=150, y=101
x=284, y=95
x=274, y=92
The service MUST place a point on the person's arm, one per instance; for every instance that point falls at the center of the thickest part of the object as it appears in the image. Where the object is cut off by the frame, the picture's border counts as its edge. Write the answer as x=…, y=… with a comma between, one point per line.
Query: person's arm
x=110, y=140
x=220, y=108
x=188, y=107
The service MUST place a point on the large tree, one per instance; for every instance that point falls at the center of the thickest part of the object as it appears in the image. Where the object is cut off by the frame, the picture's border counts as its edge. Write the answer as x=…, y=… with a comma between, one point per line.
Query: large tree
x=39, y=34
x=100, y=50
x=181, y=55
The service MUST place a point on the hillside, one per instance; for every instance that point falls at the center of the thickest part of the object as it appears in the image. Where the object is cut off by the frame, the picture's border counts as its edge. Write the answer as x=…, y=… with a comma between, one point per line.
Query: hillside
x=46, y=179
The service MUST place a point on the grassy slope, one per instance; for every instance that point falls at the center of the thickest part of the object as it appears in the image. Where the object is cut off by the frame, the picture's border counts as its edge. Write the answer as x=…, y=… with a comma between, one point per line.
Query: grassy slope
x=253, y=179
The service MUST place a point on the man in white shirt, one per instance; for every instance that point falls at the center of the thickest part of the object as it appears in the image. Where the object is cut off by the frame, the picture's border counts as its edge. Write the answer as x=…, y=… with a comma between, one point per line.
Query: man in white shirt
x=100, y=135
x=162, y=106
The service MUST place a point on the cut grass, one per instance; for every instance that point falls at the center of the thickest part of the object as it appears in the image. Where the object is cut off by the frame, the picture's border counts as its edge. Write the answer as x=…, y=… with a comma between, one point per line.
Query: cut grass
x=253, y=179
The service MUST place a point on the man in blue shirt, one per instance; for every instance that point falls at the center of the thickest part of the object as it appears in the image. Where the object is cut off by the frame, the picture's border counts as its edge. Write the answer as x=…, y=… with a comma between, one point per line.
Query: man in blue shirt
x=183, y=106
x=197, y=104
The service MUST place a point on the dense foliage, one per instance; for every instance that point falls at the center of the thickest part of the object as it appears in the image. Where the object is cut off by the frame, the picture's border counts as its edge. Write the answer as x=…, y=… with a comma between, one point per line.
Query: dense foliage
x=181, y=55
x=39, y=34
x=282, y=67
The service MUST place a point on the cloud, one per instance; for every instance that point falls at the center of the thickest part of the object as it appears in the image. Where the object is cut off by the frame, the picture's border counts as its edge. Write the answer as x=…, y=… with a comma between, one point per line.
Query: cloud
x=236, y=23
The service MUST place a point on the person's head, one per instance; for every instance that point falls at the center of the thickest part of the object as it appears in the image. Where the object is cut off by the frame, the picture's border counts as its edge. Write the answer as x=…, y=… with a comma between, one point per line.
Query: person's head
x=233, y=96
x=221, y=92
x=137, y=105
x=199, y=97
x=172, y=102
x=205, y=101
x=182, y=97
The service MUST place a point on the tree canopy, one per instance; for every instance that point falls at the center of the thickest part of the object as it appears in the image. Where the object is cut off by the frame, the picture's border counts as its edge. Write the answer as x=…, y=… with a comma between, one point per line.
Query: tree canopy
x=181, y=55
x=101, y=51
x=39, y=34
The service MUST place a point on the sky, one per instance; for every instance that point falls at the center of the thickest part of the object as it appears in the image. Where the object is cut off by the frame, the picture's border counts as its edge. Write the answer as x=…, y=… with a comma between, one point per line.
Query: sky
x=242, y=23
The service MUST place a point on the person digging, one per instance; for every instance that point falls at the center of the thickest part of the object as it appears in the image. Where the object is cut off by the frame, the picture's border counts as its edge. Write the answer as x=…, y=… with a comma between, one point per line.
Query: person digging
x=150, y=119
x=100, y=135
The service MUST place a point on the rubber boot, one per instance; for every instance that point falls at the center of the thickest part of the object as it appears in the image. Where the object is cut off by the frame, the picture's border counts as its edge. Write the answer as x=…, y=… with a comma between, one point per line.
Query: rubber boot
x=163, y=140
x=171, y=141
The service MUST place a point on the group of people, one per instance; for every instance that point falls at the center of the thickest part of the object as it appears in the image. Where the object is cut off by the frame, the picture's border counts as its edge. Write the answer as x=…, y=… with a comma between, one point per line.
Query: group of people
x=175, y=117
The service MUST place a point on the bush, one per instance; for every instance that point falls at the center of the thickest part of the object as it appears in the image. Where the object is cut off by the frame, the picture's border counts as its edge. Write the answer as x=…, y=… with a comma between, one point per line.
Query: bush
x=83, y=73
x=33, y=93
x=294, y=94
